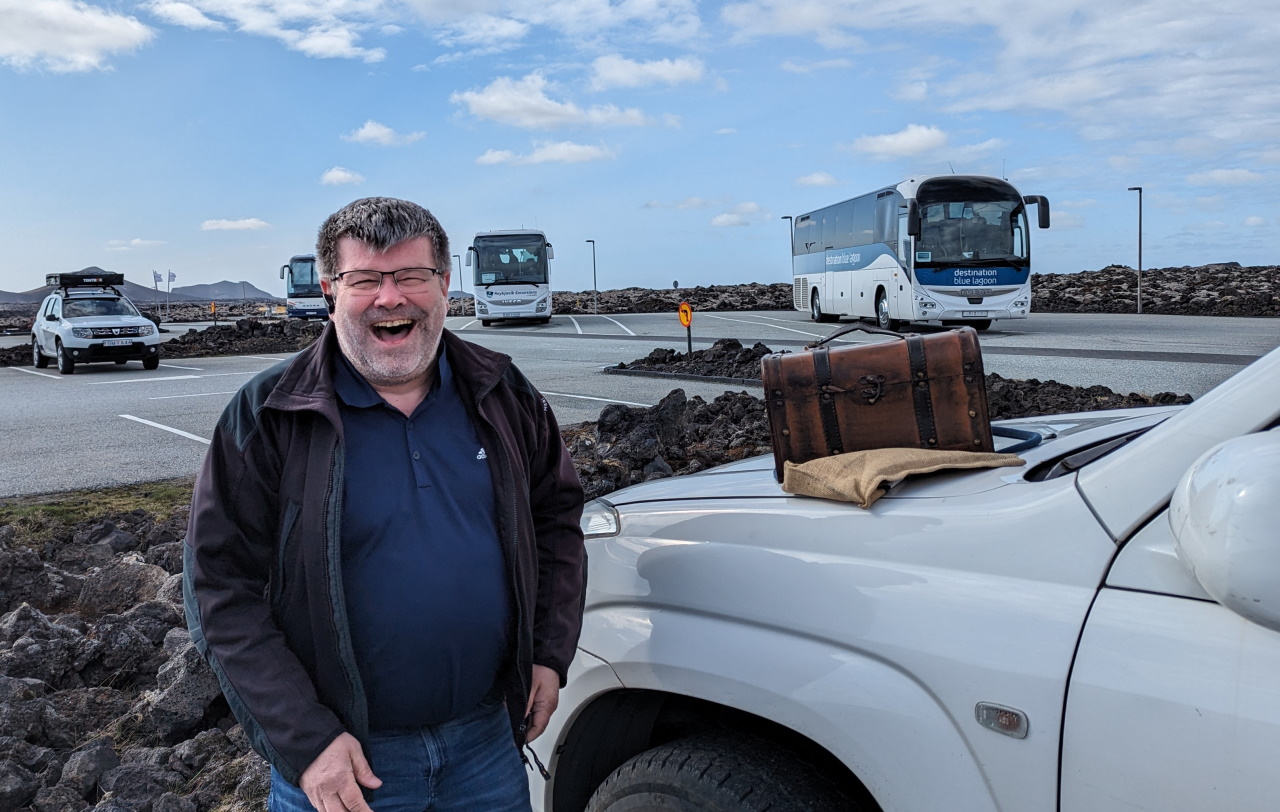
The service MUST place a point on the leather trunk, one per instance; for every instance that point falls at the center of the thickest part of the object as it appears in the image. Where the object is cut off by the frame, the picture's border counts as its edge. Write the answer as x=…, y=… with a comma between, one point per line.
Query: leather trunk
x=913, y=392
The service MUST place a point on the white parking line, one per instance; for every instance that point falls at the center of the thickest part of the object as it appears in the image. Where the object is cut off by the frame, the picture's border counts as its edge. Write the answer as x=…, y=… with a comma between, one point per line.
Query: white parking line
x=197, y=395
x=149, y=380
x=774, y=326
x=468, y=324
x=264, y=358
x=576, y=326
x=175, y=366
x=603, y=400
x=33, y=372
x=620, y=324
x=166, y=428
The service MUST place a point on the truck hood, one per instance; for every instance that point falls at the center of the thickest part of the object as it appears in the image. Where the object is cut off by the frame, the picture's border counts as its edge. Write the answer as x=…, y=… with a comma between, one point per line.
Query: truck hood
x=1061, y=435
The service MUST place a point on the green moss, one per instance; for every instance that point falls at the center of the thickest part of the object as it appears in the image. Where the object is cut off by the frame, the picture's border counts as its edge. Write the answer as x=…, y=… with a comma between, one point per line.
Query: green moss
x=42, y=517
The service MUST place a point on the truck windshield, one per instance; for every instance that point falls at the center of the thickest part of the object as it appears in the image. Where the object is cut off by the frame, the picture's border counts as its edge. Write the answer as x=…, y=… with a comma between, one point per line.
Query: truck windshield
x=302, y=278
x=517, y=259
x=960, y=232
x=77, y=308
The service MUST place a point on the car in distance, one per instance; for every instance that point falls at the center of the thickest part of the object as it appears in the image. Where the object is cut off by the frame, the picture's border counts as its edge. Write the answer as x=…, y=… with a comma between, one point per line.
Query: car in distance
x=1095, y=630
x=87, y=319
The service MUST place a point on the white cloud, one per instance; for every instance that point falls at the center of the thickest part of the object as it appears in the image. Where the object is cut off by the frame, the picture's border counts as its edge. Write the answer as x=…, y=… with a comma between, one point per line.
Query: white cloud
x=912, y=92
x=184, y=15
x=615, y=71
x=917, y=141
x=340, y=176
x=482, y=34
x=817, y=179
x=1207, y=225
x=128, y=245
x=246, y=224
x=1143, y=68
x=65, y=36
x=743, y=214
x=826, y=64
x=726, y=131
x=1086, y=203
x=913, y=140
x=1067, y=219
x=1255, y=221
x=562, y=152
x=325, y=29
x=1224, y=177
x=524, y=103
x=373, y=132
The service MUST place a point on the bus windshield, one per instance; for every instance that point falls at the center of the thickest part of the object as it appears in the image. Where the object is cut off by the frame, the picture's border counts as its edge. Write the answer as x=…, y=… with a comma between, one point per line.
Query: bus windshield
x=962, y=232
x=511, y=260
x=302, y=278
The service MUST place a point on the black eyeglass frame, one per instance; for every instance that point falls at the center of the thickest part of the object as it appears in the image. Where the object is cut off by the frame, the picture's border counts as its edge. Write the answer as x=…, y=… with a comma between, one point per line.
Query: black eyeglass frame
x=382, y=275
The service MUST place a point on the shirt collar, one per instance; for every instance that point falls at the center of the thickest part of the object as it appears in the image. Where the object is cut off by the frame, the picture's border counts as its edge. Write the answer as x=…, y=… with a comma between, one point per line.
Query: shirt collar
x=354, y=390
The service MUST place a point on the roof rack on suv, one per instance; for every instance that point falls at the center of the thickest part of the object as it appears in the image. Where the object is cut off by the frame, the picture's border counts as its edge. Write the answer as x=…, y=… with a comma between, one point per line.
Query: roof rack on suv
x=66, y=281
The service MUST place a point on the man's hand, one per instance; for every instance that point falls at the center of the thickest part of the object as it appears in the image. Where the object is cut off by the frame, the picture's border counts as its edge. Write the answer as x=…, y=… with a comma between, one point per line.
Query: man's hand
x=331, y=780
x=544, y=696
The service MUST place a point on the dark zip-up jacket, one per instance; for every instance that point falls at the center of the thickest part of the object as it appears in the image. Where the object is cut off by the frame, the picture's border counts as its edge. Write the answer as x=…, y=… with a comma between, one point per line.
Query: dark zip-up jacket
x=262, y=570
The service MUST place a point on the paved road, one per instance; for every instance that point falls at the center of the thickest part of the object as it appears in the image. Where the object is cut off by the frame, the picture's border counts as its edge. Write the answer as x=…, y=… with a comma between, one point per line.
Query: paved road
x=111, y=424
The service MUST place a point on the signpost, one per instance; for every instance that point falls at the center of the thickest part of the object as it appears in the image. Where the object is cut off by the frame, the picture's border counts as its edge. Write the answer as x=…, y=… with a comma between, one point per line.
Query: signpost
x=686, y=318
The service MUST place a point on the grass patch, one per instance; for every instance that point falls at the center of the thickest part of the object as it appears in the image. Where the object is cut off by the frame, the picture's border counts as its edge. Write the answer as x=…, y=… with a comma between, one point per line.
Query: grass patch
x=38, y=518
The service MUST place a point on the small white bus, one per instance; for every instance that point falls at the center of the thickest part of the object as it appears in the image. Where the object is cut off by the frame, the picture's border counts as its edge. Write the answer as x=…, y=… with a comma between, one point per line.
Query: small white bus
x=946, y=249
x=512, y=275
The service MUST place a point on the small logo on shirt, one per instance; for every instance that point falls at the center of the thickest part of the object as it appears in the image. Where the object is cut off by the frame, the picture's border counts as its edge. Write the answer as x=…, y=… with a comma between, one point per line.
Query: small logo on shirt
x=482, y=455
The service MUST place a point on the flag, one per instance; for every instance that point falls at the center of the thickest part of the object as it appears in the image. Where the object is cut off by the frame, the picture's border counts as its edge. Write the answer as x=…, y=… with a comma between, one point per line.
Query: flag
x=172, y=276
x=156, y=275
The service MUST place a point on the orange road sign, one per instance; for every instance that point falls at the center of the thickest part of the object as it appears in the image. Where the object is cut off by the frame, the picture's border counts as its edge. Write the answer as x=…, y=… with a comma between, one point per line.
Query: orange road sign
x=686, y=314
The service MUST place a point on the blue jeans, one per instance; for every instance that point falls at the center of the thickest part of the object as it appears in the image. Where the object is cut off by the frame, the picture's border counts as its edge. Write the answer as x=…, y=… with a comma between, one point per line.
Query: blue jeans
x=469, y=764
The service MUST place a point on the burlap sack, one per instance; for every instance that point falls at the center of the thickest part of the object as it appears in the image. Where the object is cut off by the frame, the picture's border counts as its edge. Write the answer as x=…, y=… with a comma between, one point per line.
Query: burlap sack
x=858, y=476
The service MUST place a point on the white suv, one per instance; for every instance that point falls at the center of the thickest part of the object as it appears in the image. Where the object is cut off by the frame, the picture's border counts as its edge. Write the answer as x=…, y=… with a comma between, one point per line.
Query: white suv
x=88, y=319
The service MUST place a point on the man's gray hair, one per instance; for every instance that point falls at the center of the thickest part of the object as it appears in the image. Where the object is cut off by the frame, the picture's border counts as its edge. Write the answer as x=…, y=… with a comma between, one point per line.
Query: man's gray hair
x=382, y=223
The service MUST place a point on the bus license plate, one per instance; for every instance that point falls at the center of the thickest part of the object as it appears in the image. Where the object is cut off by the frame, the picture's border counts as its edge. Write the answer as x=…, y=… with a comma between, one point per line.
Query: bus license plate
x=117, y=342
x=973, y=313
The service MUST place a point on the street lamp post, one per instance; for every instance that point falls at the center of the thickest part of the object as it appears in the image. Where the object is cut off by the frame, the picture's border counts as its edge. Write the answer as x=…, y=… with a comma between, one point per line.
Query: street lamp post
x=595, y=290
x=460, y=287
x=1138, y=189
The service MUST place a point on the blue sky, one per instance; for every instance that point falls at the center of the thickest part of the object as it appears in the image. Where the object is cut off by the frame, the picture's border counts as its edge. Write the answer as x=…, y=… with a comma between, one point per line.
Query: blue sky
x=211, y=137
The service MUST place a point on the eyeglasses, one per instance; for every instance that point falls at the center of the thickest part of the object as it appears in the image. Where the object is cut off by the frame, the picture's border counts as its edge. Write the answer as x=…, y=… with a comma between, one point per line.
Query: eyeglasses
x=368, y=283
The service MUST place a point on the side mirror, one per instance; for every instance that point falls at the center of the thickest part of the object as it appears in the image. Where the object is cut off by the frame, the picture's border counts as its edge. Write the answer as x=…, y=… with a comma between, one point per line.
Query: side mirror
x=1042, y=208
x=51, y=317
x=469, y=250
x=913, y=218
x=284, y=269
x=551, y=254
x=1224, y=516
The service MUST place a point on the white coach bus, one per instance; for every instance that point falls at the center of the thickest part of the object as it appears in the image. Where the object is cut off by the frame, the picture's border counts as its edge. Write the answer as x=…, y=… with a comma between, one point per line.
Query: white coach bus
x=512, y=275
x=949, y=249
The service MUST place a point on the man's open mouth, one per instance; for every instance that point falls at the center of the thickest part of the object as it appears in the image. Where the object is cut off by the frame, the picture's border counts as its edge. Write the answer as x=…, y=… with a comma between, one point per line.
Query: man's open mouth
x=392, y=329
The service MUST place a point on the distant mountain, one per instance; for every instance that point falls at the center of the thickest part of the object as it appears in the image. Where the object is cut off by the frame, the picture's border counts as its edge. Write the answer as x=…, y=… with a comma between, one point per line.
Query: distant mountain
x=224, y=290
x=140, y=294
x=146, y=295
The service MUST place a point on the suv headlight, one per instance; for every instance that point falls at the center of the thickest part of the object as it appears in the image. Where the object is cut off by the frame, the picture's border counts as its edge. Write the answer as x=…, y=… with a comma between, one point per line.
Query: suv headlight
x=600, y=520
x=146, y=329
x=82, y=332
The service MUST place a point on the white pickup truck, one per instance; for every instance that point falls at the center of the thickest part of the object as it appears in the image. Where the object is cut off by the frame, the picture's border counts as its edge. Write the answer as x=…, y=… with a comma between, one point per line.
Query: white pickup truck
x=1093, y=631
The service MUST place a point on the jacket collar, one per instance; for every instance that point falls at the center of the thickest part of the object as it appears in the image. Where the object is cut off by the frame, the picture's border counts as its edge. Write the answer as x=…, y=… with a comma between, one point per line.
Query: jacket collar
x=308, y=380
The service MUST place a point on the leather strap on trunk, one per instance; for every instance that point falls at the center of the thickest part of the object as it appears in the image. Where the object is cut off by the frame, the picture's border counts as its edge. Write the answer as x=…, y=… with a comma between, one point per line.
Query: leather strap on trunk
x=920, y=394
x=826, y=401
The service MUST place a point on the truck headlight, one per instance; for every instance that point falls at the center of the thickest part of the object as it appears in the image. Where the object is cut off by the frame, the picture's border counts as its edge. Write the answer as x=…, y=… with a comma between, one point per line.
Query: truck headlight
x=600, y=520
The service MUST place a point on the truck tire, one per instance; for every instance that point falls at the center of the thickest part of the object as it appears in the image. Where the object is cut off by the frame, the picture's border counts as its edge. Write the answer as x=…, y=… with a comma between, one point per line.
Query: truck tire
x=718, y=774
x=66, y=365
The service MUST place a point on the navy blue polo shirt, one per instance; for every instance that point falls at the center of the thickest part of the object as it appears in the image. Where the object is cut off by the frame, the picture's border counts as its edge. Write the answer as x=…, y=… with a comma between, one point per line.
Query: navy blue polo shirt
x=425, y=579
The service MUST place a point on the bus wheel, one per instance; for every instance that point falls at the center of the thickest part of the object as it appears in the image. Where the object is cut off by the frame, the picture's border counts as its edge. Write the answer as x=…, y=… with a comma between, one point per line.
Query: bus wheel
x=984, y=324
x=882, y=313
x=815, y=309
x=485, y=322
